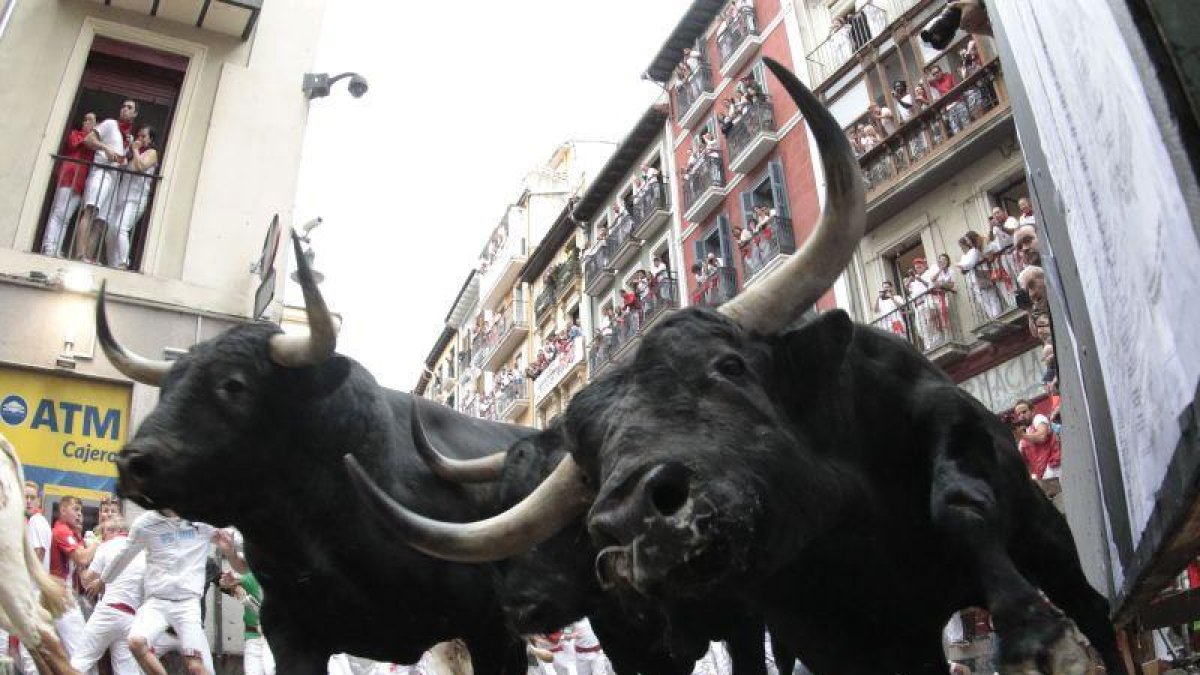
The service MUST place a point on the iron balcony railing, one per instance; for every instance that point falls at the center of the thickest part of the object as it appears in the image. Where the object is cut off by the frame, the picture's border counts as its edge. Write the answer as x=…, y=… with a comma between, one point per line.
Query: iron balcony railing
x=596, y=264
x=739, y=27
x=857, y=30
x=772, y=239
x=927, y=321
x=545, y=299
x=916, y=141
x=516, y=391
x=510, y=320
x=715, y=288
x=566, y=274
x=708, y=173
x=652, y=198
x=97, y=213
x=991, y=287
x=620, y=232
x=661, y=297
x=758, y=118
x=563, y=362
x=698, y=83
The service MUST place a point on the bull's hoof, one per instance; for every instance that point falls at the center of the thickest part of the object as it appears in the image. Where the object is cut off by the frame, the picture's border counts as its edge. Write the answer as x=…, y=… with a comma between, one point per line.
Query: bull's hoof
x=1064, y=656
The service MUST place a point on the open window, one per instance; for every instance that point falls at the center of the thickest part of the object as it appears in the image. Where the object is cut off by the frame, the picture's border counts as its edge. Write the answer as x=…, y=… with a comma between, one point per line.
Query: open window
x=97, y=207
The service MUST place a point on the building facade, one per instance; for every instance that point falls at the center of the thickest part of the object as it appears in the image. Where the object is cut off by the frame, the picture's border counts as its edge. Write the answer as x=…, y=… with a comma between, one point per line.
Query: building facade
x=482, y=369
x=174, y=241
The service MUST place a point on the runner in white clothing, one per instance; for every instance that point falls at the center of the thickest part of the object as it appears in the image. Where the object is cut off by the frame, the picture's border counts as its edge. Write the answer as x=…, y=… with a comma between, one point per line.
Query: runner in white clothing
x=176, y=551
x=108, y=626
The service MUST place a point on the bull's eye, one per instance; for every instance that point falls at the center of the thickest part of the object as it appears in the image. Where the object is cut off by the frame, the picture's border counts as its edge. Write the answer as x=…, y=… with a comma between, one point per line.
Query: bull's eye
x=232, y=386
x=731, y=366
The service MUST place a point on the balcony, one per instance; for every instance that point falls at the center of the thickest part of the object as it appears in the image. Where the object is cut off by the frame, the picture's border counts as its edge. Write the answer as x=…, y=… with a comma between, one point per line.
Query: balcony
x=705, y=189
x=716, y=288
x=621, y=242
x=469, y=407
x=597, y=271
x=693, y=96
x=765, y=251
x=565, y=277
x=628, y=329
x=565, y=362
x=930, y=322
x=500, y=262
x=993, y=302
x=859, y=30
x=128, y=206
x=966, y=113
x=498, y=342
x=752, y=136
x=737, y=41
x=651, y=209
x=544, y=302
x=513, y=399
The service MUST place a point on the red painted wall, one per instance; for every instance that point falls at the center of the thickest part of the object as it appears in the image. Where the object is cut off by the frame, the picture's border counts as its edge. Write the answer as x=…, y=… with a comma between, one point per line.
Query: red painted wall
x=792, y=151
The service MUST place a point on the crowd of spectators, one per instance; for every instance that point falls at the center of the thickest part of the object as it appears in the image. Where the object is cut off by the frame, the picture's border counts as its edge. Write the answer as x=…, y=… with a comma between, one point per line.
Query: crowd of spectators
x=105, y=175
x=879, y=122
x=746, y=94
x=557, y=345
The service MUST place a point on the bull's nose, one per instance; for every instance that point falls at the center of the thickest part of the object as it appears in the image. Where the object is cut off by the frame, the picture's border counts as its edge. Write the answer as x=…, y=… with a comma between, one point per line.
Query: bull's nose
x=135, y=466
x=657, y=495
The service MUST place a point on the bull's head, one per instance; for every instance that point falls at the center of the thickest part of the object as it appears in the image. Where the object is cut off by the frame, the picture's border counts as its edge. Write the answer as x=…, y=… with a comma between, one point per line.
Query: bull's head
x=220, y=407
x=678, y=456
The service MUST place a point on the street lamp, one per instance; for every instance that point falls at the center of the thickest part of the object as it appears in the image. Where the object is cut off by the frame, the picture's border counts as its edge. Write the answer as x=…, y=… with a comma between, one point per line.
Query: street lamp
x=317, y=85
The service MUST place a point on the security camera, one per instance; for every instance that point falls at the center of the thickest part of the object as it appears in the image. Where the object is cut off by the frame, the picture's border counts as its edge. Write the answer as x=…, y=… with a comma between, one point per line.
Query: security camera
x=357, y=86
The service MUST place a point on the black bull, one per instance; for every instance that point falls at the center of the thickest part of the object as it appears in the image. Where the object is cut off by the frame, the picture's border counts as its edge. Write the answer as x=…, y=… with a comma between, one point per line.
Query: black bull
x=827, y=478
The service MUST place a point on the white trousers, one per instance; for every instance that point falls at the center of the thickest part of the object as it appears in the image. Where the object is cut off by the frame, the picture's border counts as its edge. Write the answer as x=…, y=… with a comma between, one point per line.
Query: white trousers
x=119, y=231
x=257, y=658
x=107, y=628
x=156, y=614
x=71, y=629
x=66, y=202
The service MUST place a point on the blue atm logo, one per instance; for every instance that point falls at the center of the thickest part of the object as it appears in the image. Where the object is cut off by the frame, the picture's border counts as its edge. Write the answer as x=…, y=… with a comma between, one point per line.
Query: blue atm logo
x=63, y=417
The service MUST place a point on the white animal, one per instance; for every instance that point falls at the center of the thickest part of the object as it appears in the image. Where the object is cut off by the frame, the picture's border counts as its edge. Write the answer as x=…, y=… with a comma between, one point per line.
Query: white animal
x=22, y=577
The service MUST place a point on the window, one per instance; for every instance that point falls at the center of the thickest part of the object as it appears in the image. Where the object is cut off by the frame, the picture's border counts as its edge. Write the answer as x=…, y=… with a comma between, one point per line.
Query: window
x=899, y=263
x=1009, y=196
x=97, y=208
x=716, y=241
x=851, y=104
x=769, y=191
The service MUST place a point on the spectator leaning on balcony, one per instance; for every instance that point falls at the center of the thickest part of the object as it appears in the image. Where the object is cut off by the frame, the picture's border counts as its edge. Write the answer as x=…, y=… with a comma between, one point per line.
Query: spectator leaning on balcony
x=888, y=303
x=942, y=277
x=979, y=274
x=1026, y=209
x=904, y=100
x=924, y=313
x=712, y=147
x=109, y=141
x=940, y=81
x=868, y=137
x=133, y=194
x=883, y=119
x=999, y=248
x=72, y=177
x=970, y=59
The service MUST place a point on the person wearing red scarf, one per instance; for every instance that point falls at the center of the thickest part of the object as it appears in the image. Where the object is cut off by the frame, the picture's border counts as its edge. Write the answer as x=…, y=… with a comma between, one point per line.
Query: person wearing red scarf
x=72, y=176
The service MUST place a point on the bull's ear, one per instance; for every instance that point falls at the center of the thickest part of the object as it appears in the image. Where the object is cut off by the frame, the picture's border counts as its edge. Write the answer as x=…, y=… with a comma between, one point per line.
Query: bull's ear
x=818, y=347
x=321, y=380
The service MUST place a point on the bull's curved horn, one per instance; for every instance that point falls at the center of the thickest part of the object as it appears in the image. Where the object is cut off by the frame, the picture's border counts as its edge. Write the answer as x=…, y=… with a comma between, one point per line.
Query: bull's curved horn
x=293, y=351
x=780, y=298
x=481, y=470
x=137, y=368
x=559, y=499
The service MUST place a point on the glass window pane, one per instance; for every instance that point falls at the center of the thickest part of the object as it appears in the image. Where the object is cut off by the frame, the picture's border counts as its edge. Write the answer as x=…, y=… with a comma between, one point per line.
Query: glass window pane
x=850, y=105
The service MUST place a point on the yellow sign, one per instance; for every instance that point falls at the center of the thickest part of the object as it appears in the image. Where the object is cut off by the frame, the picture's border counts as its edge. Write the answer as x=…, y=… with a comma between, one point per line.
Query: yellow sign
x=67, y=430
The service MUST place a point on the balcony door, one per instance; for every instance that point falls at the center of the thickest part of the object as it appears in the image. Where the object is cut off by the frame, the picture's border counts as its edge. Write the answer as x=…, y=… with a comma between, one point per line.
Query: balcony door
x=115, y=72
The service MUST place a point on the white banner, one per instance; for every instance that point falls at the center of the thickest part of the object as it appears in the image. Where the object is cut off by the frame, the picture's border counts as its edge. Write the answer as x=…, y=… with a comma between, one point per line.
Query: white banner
x=1139, y=261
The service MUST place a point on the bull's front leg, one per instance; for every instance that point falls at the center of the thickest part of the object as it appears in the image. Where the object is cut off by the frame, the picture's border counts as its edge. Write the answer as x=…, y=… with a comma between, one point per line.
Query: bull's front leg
x=1035, y=637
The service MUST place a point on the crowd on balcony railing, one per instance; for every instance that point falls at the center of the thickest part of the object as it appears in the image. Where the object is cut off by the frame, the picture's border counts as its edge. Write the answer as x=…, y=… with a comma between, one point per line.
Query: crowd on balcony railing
x=746, y=94
x=105, y=176
x=739, y=13
x=880, y=122
x=557, y=346
x=646, y=294
x=1000, y=271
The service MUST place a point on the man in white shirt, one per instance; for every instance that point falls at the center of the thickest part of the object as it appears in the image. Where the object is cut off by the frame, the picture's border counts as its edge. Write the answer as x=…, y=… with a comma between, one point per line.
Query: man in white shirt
x=110, y=139
x=176, y=552
x=108, y=626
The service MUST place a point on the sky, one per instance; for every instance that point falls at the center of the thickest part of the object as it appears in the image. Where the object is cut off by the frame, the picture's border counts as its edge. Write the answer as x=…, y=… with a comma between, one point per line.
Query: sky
x=412, y=178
